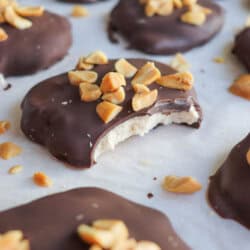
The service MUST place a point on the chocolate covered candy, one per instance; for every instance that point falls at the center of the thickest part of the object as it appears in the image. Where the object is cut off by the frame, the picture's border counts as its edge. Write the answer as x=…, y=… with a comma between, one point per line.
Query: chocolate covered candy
x=167, y=30
x=77, y=126
x=242, y=48
x=228, y=189
x=51, y=223
x=33, y=40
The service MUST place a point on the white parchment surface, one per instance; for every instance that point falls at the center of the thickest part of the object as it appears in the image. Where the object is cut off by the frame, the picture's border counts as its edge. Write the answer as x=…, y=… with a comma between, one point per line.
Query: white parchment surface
x=175, y=150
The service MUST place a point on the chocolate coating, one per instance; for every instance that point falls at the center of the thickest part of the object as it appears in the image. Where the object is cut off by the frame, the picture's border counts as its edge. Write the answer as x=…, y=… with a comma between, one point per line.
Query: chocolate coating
x=27, y=51
x=162, y=34
x=50, y=223
x=242, y=48
x=228, y=189
x=69, y=130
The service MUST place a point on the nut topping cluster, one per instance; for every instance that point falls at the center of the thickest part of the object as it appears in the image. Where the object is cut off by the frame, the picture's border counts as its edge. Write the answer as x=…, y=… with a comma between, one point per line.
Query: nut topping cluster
x=15, y=15
x=111, y=89
x=195, y=15
x=111, y=235
x=13, y=240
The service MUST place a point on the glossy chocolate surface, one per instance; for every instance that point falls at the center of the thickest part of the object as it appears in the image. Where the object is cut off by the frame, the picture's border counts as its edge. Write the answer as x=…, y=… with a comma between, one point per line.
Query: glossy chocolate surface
x=228, y=189
x=162, y=34
x=242, y=47
x=27, y=51
x=50, y=223
x=54, y=116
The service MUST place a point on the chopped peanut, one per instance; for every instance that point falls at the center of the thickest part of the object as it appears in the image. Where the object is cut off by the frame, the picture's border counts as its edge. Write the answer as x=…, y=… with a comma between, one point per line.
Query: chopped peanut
x=178, y=4
x=89, y=92
x=16, y=21
x=125, y=68
x=116, y=97
x=179, y=63
x=181, y=81
x=97, y=57
x=140, y=88
x=189, y=2
x=219, y=60
x=144, y=100
x=77, y=77
x=194, y=17
x=248, y=156
x=130, y=244
x=185, y=185
x=147, y=74
x=107, y=111
x=30, y=11
x=4, y=126
x=241, y=87
x=82, y=65
x=9, y=150
x=79, y=11
x=15, y=169
x=166, y=8
x=91, y=235
x=112, y=81
x=13, y=240
x=147, y=245
x=3, y=35
x=42, y=180
x=95, y=247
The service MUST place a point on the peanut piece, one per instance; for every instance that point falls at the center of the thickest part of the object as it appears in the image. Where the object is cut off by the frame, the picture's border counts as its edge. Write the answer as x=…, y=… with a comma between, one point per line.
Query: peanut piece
x=179, y=63
x=196, y=18
x=77, y=77
x=42, y=179
x=16, y=21
x=15, y=169
x=178, y=4
x=125, y=245
x=89, y=92
x=82, y=65
x=185, y=185
x=147, y=245
x=147, y=74
x=30, y=11
x=107, y=111
x=13, y=240
x=3, y=35
x=9, y=150
x=112, y=81
x=140, y=88
x=102, y=238
x=241, y=87
x=125, y=68
x=248, y=156
x=166, y=8
x=116, y=227
x=4, y=126
x=144, y=100
x=79, y=11
x=181, y=81
x=116, y=97
x=97, y=57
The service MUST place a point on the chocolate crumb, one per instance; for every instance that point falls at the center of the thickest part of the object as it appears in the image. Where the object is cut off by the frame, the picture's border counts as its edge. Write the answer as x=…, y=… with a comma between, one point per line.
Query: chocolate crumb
x=150, y=195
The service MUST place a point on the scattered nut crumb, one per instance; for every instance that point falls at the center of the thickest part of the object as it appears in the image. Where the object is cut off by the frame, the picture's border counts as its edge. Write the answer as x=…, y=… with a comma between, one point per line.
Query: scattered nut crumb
x=42, y=180
x=219, y=60
x=241, y=87
x=185, y=185
x=9, y=150
x=79, y=11
x=4, y=126
x=13, y=240
x=248, y=156
x=15, y=169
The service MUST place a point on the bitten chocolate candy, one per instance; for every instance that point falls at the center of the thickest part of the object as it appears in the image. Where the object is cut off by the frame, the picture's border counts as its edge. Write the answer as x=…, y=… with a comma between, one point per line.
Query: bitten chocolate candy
x=51, y=223
x=162, y=34
x=228, y=189
x=38, y=47
x=242, y=48
x=54, y=116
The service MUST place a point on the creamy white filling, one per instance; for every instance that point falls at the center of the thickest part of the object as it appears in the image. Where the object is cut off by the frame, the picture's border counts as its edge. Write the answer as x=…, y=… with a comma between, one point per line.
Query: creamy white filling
x=140, y=126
